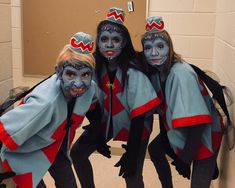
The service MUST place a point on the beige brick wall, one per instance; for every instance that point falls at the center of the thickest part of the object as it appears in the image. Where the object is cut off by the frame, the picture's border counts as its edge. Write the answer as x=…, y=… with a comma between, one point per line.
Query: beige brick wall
x=191, y=24
x=224, y=66
x=5, y=49
x=5, y=56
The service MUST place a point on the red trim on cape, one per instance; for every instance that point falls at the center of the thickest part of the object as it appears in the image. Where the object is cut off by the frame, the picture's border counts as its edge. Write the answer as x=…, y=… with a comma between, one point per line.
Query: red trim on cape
x=93, y=105
x=52, y=150
x=22, y=180
x=204, y=92
x=123, y=135
x=6, y=139
x=193, y=120
x=144, y=108
x=217, y=139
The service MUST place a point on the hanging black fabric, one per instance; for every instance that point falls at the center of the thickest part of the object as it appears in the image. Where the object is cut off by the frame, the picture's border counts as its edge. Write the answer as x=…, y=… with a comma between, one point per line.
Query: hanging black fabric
x=215, y=88
x=218, y=94
x=9, y=102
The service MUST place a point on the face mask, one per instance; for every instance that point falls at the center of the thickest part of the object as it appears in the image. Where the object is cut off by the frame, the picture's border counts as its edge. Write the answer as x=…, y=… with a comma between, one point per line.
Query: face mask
x=156, y=51
x=75, y=80
x=110, y=44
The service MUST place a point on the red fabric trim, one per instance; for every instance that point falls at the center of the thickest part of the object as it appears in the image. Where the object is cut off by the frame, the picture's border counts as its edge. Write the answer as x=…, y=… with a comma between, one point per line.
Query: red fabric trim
x=116, y=15
x=122, y=135
x=193, y=120
x=203, y=153
x=80, y=44
x=204, y=92
x=93, y=105
x=24, y=180
x=6, y=165
x=144, y=108
x=159, y=26
x=6, y=139
x=216, y=139
x=51, y=150
x=21, y=101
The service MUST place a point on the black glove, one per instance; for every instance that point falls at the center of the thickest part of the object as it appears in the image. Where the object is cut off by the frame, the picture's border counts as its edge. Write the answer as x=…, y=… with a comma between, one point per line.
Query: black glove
x=102, y=147
x=182, y=168
x=90, y=135
x=127, y=164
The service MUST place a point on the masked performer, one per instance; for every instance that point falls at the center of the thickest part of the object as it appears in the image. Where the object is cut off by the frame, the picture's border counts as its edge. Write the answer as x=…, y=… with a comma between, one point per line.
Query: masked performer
x=37, y=134
x=190, y=125
x=126, y=97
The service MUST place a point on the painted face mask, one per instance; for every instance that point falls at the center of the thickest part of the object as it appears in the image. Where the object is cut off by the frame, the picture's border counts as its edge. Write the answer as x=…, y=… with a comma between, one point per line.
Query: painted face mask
x=156, y=51
x=75, y=79
x=110, y=42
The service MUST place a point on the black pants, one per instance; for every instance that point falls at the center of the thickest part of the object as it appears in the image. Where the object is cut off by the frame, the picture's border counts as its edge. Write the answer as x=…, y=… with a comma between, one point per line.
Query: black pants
x=158, y=149
x=202, y=169
x=80, y=155
x=62, y=172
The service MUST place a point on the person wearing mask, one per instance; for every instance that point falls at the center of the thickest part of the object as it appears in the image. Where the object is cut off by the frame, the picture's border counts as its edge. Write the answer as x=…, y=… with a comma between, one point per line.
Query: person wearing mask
x=37, y=134
x=191, y=128
x=126, y=97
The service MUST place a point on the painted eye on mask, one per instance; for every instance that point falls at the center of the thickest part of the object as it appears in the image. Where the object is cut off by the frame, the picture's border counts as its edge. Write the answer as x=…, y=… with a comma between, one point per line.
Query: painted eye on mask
x=116, y=40
x=86, y=74
x=160, y=46
x=147, y=48
x=70, y=74
x=104, y=39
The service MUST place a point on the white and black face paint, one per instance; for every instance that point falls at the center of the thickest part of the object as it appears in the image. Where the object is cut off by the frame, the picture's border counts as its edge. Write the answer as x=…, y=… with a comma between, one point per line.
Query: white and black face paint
x=75, y=80
x=110, y=42
x=156, y=51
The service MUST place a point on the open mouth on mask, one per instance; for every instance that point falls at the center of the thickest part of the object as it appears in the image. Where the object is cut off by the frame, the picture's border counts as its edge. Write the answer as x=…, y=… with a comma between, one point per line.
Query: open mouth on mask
x=77, y=91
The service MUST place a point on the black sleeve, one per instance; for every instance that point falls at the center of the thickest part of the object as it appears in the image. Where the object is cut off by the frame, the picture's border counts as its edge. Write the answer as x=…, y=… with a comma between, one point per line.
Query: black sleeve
x=192, y=143
x=94, y=116
x=135, y=135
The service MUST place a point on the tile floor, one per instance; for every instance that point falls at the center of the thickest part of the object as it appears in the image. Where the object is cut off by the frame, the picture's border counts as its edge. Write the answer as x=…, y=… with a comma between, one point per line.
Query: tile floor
x=106, y=176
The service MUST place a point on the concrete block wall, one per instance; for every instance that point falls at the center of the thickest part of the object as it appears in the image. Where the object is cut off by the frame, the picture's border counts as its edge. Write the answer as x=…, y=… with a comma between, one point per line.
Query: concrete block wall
x=6, y=81
x=191, y=23
x=17, y=47
x=5, y=49
x=224, y=67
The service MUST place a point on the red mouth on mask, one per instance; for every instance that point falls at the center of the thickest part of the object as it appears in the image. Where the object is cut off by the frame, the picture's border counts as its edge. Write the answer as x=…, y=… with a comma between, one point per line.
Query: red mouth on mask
x=155, y=60
x=78, y=91
x=109, y=52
